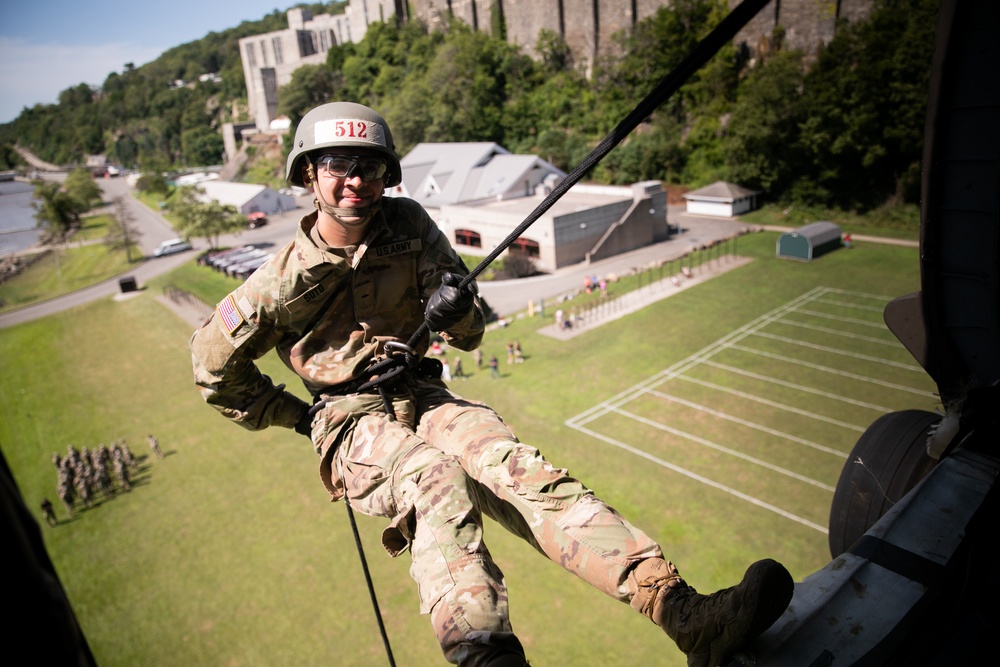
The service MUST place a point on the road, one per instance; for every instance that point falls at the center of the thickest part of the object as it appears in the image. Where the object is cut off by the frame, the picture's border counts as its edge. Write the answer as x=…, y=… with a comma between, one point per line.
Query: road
x=505, y=297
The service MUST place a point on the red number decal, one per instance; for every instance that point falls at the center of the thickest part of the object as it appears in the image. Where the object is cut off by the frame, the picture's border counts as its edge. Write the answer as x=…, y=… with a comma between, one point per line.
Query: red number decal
x=354, y=129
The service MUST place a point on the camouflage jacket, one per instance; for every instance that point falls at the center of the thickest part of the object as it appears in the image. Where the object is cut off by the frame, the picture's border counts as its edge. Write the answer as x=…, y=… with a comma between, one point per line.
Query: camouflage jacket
x=326, y=316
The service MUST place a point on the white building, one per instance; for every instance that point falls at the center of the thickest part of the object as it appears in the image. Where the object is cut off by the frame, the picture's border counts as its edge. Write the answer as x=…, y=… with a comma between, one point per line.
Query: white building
x=721, y=199
x=478, y=193
x=248, y=197
x=270, y=58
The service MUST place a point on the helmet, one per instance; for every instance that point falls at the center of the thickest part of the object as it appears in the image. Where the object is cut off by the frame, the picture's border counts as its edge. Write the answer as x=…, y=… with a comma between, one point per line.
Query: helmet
x=341, y=124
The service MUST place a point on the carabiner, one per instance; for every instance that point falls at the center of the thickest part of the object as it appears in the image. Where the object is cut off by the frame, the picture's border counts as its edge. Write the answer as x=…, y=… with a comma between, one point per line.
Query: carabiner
x=395, y=347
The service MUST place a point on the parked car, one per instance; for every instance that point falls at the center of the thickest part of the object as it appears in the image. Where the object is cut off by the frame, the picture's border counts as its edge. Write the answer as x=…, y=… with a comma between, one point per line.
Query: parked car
x=256, y=219
x=222, y=263
x=231, y=266
x=219, y=256
x=171, y=246
x=244, y=269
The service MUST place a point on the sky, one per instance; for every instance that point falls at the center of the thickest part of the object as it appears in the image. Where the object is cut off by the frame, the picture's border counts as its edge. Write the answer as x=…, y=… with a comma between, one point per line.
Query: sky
x=47, y=46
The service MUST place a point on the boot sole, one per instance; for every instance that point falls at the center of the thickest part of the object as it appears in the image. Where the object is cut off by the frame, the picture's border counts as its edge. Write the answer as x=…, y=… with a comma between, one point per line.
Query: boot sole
x=769, y=591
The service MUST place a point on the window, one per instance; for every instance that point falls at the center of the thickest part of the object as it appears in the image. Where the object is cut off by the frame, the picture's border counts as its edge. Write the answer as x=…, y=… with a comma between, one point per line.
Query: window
x=276, y=45
x=469, y=238
x=251, y=55
x=523, y=246
x=263, y=52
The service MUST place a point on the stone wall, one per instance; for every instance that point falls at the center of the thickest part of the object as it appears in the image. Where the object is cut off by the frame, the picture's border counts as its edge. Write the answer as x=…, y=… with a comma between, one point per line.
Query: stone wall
x=589, y=26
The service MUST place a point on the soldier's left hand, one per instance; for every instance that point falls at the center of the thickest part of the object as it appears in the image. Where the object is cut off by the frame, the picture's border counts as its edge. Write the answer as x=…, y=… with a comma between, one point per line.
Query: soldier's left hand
x=449, y=305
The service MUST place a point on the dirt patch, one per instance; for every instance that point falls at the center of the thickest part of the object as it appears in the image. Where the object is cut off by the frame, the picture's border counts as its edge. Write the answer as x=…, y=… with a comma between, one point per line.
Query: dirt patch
x=675, y=193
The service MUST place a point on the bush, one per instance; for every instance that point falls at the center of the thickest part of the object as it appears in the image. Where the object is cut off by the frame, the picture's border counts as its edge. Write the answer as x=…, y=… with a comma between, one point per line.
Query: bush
x=516, y=265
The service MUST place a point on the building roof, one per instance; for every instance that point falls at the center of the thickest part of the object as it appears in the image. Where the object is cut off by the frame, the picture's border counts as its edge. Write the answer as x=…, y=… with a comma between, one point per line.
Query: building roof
x=439, y=174
x=721, y=191
x=227, y=192
x=820, y=232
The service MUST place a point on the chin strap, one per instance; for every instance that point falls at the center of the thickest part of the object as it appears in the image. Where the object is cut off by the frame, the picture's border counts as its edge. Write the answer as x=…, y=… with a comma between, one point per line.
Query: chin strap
x=363, y=214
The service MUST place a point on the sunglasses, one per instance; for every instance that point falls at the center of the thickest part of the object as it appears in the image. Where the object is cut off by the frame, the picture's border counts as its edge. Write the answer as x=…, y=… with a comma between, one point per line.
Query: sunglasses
x=348, y=166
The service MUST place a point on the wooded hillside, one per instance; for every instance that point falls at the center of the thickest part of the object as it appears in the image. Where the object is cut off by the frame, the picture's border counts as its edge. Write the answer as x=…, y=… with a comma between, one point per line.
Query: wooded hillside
x=843, y=130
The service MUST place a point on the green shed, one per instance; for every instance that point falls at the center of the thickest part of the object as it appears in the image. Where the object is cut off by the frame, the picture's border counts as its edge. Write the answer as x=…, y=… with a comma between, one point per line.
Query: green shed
x=809, y=241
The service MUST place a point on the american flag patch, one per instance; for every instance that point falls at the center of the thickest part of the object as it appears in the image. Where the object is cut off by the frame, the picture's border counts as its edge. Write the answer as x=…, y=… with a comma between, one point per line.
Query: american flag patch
x=230, y=315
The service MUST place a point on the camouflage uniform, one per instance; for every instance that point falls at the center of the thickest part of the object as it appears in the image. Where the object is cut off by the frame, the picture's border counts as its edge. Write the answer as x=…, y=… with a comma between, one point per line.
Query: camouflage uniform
x=442, y=461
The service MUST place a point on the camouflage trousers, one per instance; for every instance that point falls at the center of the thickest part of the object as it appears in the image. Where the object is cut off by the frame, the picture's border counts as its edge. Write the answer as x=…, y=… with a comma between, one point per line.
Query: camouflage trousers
x=434, y=471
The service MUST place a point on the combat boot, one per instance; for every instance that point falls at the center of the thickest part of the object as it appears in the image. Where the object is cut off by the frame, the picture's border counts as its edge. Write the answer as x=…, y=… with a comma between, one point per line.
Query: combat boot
x=709, y=629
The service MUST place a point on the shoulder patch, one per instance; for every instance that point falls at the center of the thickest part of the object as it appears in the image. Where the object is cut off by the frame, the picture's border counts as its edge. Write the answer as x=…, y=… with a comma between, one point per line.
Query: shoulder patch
x=397, y=248
x=232, y=318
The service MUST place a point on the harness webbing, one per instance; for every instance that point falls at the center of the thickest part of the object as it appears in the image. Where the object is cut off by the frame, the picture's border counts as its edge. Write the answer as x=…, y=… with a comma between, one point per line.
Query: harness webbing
x=405, y=358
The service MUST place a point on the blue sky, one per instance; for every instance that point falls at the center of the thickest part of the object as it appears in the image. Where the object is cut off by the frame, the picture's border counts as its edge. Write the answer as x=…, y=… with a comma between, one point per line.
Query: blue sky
x=48, y=46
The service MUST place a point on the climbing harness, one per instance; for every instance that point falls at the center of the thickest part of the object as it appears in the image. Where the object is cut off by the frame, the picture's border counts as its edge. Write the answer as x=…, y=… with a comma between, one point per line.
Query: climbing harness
x=399, y=358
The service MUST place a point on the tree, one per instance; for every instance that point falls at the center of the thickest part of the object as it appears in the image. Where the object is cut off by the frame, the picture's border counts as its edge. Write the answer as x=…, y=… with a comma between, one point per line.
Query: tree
x=55, y=211
x=311, y=85
x=122, y=231
x=555, y=54
x=153, y=182
x=82, y=188
x=763, y=133
x=205, y=219
x=864, y=105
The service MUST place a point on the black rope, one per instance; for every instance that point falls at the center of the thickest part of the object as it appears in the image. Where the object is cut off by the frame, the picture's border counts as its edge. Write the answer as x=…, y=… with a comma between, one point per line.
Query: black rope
x=368, y=578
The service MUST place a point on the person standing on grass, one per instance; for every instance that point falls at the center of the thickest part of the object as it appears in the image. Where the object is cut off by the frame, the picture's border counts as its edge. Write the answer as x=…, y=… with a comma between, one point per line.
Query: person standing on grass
x=154, y=444
x=363, y=274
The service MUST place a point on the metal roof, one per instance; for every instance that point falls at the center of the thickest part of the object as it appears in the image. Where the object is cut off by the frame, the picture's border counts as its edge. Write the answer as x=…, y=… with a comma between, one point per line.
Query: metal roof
x=721, y=191
x=440, y=174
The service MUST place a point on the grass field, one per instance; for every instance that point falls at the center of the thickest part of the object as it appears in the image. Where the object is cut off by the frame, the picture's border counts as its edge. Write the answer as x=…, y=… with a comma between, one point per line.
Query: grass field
x=717, y=420
x=84, y=261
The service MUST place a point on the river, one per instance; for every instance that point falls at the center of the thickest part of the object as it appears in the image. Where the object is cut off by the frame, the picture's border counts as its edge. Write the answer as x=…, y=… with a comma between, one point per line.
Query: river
x=18, y=228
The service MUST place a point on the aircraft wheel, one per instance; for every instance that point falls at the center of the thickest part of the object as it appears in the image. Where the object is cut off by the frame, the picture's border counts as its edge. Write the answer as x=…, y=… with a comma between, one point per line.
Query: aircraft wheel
x=887, y=461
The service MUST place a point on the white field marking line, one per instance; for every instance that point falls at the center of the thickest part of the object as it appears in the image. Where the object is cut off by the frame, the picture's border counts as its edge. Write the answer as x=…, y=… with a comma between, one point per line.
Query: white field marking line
x=797, y=387
x=704, y=480
x=860, y=295
x=848, y=304
x=748, y=424
x=636, y=390
x=850, y=320
x=845, y=334
x=725, y=450
x=835, y=371
x=773, y=404
x=823, y=348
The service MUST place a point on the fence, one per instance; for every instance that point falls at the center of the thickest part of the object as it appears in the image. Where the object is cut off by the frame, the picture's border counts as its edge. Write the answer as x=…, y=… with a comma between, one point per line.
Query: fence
x=656, y=277
x=188, y=300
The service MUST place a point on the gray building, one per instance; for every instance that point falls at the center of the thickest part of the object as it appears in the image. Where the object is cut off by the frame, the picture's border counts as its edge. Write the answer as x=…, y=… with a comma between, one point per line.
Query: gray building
x=721, y=199
x=248, y=197
x=269, y=59
x=478, y=193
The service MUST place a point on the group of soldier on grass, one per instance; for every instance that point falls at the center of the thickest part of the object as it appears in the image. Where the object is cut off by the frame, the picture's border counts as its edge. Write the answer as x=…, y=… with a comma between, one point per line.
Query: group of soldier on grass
x=85, y=473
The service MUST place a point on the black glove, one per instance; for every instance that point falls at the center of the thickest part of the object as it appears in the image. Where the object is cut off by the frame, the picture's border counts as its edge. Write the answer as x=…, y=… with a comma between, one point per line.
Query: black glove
x=304, y=424
x=449, y=305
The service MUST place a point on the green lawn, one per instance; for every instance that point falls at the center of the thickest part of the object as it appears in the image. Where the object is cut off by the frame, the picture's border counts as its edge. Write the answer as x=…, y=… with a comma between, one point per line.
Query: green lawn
x=891, y=221
x=227, y=552
x=84, y=261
